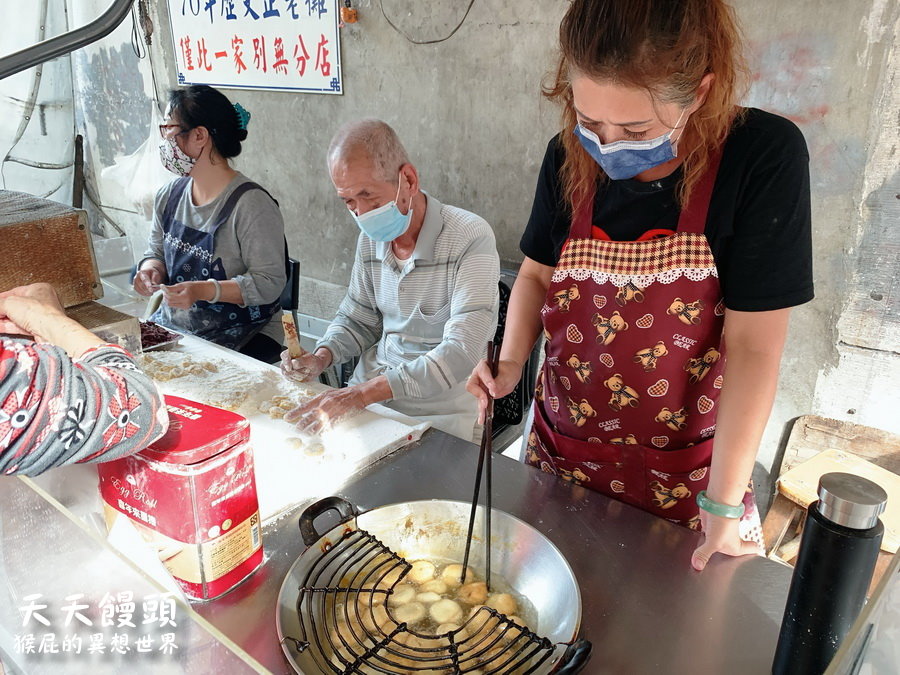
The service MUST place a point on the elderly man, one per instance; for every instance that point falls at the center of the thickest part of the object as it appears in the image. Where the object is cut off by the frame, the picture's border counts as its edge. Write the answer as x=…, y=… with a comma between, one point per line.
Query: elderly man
x=422, y=301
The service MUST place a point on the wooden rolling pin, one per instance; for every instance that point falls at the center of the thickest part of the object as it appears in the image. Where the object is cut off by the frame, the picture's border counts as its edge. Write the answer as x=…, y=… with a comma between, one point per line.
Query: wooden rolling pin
x=291, y=337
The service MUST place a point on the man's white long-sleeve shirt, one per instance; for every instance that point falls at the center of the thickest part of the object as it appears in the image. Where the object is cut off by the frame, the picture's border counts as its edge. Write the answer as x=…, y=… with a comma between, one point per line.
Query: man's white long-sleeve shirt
x=425, y=325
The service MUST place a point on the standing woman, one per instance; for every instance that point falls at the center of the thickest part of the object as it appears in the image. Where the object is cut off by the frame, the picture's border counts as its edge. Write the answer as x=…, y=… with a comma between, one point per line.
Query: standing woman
x=670, y=227
x=217, y=241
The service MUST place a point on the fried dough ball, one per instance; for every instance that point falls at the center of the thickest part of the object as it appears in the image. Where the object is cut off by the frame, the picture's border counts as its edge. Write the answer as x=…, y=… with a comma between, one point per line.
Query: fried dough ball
x=514, y=631
x=446, y=611
x=422, y=571
x=434, y=586
x=374, y=621
x=366, y=600
x=476, y=609
x=503, y=603
x=452, y=574
x=391, y=577
x=428, y=598
x=411, y=613
x=402, y=595
x=474, y=593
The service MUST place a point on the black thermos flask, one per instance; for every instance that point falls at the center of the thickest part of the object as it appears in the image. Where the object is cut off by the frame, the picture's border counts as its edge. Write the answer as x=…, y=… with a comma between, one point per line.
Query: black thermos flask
x=837, y=556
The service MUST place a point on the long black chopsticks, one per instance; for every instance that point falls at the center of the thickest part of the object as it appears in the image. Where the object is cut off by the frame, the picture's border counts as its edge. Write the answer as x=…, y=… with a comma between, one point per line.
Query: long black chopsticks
x=484, y=458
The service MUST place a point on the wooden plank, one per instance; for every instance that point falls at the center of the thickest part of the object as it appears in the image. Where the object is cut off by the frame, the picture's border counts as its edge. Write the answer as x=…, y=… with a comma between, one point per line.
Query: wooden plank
x=812, y=434
x=50, y=242
x=800, y=485
x=778, y=522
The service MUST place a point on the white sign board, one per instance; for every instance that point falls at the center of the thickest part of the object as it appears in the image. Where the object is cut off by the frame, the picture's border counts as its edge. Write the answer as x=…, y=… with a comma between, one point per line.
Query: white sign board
x=288, y=45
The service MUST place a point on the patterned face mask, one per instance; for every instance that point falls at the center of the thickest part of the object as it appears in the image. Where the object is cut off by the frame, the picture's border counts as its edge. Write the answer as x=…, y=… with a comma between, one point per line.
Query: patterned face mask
x=174, y=158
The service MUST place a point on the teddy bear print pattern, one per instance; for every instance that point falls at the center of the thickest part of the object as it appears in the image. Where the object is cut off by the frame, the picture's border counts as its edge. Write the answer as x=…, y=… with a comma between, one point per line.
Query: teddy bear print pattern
x=668, y=386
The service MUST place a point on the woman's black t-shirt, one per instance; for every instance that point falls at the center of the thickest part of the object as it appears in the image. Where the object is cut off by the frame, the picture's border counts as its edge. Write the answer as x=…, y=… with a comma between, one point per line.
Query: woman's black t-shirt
x=758, y=225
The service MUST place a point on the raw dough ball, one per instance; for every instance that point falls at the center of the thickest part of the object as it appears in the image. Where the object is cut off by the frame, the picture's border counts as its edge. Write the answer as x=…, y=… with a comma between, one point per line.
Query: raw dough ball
x=276, y=413
x=295, y=443
x=474, y=593
x=314, y=449
x=411, y=613
x=422, y=571
x=402, y=595
x=286, y=404
x=446, y=611
x=452, y=573
x=503, y=603
x=428, y=598
x=434, y=586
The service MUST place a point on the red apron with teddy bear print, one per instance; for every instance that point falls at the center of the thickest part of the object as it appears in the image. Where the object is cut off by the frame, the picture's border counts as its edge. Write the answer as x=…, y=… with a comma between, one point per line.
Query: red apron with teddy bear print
x=626, y=400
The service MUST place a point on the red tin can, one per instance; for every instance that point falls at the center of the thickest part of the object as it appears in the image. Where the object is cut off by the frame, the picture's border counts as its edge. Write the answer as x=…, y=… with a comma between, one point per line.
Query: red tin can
x=192, y=494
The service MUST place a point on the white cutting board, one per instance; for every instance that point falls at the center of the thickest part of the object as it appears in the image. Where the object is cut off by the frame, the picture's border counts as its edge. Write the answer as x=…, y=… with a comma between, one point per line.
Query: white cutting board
x=286, y=476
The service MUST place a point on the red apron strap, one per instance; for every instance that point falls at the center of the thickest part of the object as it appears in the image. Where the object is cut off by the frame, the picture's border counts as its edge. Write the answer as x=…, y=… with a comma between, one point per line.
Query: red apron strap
x=693, y=215
x=583, y=217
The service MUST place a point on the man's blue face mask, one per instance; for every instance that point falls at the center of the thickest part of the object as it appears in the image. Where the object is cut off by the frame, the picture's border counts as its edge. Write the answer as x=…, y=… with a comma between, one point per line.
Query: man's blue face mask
x=385, y=223
x=626, y=159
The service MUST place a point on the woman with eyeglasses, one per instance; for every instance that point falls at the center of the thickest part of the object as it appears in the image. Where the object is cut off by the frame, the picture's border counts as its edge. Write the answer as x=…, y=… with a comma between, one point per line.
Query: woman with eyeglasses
x=670, y=228
x=217, y=248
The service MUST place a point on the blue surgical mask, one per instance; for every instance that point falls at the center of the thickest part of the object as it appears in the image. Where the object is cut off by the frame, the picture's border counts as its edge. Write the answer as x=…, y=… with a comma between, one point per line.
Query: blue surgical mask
x=385, y=223
x=626, y=159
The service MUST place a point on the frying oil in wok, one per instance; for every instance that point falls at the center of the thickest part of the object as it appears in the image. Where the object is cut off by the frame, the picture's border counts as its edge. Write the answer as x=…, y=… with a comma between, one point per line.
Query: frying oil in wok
x=431, y=601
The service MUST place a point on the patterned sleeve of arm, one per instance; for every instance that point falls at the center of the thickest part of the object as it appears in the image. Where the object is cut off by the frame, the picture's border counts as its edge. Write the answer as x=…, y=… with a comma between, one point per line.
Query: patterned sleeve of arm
x=55, y=411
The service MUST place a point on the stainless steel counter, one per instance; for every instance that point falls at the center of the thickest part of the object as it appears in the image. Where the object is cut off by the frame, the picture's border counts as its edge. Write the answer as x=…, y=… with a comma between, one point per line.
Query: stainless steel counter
x=50, y=561
x=645, y=609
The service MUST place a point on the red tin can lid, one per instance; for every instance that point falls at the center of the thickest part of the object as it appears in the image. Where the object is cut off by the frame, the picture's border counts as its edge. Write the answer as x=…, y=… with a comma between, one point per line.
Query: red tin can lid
x=196, y=433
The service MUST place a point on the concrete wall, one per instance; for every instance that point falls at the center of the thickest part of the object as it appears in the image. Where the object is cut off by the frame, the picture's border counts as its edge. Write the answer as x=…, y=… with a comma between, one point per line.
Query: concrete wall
x=470, y=112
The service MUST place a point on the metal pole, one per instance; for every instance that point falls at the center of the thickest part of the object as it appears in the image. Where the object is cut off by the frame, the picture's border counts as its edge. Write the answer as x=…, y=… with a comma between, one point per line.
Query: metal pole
x=78, y=179
x=67, y=42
